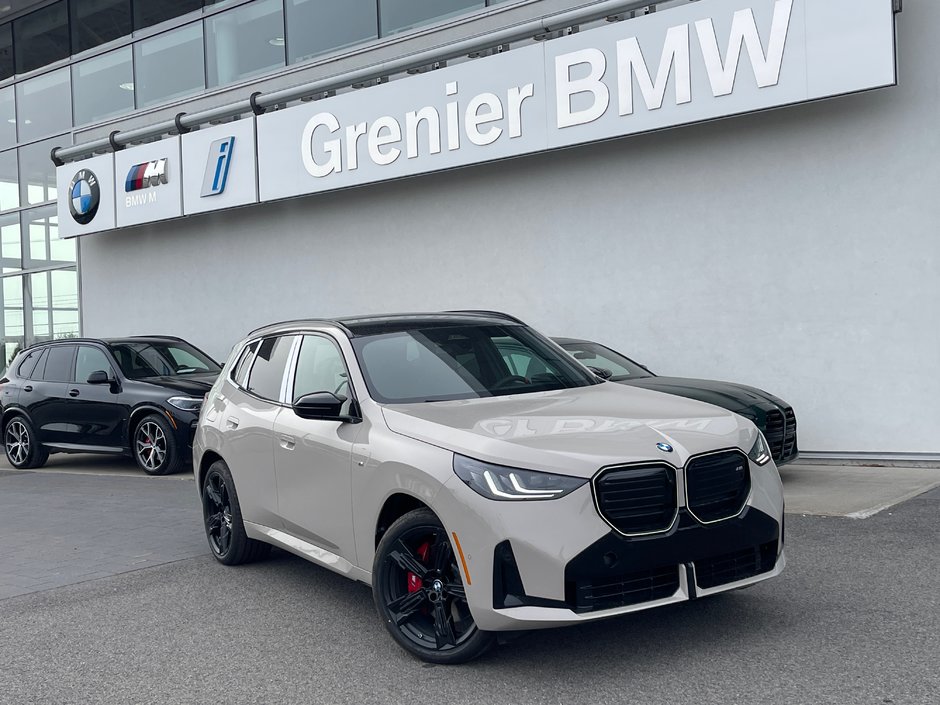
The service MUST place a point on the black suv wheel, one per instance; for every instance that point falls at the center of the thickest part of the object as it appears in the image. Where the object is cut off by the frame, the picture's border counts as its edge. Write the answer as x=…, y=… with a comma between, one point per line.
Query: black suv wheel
x=22, y=445
x=155, y=447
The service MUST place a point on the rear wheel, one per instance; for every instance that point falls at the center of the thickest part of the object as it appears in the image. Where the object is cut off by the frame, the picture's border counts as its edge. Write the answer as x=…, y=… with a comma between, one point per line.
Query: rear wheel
x=419, y=592
x=23, y=449
x=222, y=516
x=155, y=448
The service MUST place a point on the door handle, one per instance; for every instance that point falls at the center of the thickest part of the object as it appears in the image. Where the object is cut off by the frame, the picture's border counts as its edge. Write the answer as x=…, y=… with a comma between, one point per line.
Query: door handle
x=28, y=388
x=287, y=442
x=73, y=392
x=232, y=422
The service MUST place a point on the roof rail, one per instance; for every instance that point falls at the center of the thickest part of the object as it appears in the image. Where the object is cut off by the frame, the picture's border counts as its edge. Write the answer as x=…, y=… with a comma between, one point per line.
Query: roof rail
x=493, y=314
x=157, y=337
x=327, y=321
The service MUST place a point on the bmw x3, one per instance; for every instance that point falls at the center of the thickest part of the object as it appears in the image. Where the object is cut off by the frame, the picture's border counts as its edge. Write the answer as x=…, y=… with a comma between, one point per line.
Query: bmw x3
x=479, y=478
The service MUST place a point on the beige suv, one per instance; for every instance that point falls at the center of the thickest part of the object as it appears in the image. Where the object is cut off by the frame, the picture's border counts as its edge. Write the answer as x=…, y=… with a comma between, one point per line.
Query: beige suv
x=478, y=478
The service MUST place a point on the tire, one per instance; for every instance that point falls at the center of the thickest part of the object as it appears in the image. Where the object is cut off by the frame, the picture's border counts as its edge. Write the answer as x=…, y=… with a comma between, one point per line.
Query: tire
x=21, y=444
x=419, y=594
x=154, y=446
x=222, y=518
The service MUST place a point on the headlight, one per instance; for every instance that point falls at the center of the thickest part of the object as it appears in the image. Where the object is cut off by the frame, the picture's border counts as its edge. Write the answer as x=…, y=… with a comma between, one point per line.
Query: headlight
x=186, y=403
x=502, y=483
x=760, y=453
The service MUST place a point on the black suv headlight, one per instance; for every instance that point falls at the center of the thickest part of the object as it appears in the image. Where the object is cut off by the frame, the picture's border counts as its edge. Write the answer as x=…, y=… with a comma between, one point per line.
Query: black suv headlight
x=192, y=404
x=760, y=452
x=502, y=483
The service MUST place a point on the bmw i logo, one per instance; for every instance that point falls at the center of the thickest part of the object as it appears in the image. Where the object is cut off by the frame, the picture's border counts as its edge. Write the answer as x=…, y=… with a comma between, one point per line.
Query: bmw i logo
x=84, y=196
x=664, y=447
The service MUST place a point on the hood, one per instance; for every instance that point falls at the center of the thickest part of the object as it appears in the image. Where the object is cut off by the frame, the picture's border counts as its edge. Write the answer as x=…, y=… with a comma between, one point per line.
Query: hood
x=573, y=431
x=193, y=385
x=728, y=395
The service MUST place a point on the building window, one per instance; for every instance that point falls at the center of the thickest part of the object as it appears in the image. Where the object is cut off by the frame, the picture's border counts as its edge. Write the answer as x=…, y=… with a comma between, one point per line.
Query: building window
x=11, y=249
x=169, y=66
x=98, y=22
x=103, y=87
x=42, y=246
x=41, y=37
x=44, y=105
x=37, y=172
x=402, y=15
x=244, y=42
x=6, y=51
x=319, y=26
x=9, y=181
x=150, y=12
x=7, y=118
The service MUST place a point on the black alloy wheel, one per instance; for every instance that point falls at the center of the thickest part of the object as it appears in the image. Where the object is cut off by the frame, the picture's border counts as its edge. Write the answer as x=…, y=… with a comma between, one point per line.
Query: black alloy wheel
x=222, y=517
x=420, y=594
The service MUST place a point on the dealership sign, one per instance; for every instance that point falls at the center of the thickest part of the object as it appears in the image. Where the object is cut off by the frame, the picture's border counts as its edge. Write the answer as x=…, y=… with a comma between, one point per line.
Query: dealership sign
x=701, y=61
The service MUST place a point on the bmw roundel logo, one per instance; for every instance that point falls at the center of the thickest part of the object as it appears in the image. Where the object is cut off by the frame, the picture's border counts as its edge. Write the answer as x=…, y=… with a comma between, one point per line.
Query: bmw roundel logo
x=664, y=447
x=84, y=196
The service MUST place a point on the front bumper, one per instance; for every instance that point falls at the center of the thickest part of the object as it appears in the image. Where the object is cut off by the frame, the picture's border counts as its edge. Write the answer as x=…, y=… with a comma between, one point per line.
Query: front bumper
x=555, y=563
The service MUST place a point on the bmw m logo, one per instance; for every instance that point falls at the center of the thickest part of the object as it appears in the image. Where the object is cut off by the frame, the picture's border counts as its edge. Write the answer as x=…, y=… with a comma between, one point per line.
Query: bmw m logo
x=664, y=447
x=145, y=175
x=84, y=196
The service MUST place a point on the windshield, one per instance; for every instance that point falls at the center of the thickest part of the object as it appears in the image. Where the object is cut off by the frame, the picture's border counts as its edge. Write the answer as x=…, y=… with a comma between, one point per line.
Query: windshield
x=463, y=362
x=595, y=355
x=139, y=360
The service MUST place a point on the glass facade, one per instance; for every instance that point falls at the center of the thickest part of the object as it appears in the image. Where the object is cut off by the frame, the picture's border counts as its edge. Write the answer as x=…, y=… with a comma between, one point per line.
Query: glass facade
x=402, y=15
x=328, y=26
x=103, y=87
x=244, y=42
x=157, y=53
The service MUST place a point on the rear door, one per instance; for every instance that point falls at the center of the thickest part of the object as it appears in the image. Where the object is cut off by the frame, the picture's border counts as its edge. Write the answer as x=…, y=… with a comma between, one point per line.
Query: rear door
x=313, y=458
x=99, y=419
x=249, y=404
x=47, y=400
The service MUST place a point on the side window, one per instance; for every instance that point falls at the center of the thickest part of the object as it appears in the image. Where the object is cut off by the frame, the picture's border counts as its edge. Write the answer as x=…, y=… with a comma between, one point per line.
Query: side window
x=90, y=359
x=320, y=368
x=240, y=371
x=267, y=371
x=59, y=364
x=29, y=363
x=520, y=361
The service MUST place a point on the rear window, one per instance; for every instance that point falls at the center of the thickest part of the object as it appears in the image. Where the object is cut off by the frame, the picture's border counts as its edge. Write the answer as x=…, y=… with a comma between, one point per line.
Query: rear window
x=240, y=371
x=29, y=363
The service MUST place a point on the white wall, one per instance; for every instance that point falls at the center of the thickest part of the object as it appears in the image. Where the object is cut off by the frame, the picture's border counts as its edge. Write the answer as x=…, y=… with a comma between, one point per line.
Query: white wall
x=796, y=251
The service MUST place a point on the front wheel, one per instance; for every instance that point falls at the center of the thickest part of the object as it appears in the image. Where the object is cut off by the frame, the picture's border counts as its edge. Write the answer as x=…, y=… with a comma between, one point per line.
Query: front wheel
x=419, y=593
x=155, y=447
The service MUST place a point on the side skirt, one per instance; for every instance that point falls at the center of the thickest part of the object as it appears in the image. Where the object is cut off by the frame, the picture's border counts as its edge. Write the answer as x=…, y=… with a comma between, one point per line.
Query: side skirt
x=307, y=550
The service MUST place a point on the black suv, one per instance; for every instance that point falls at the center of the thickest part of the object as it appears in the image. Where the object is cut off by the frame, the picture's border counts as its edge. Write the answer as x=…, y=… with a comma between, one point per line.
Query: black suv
x=137, y=396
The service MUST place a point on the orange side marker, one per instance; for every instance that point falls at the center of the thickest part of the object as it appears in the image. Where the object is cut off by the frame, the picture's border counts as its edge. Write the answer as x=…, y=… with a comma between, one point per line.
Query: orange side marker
x=463, y=561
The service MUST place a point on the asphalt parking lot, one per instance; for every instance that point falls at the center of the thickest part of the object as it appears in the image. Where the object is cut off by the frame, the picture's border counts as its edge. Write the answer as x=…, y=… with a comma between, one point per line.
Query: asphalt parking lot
x=108, y=595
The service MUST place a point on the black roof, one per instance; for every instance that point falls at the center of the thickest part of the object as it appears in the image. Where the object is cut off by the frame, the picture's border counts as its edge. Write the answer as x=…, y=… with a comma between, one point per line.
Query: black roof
x=571, y=341
x=107, y=341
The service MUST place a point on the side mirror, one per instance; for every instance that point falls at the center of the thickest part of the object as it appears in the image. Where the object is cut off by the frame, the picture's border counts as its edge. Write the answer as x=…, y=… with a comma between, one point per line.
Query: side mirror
x=601, y=372
x=98, y=377
x=320, y=405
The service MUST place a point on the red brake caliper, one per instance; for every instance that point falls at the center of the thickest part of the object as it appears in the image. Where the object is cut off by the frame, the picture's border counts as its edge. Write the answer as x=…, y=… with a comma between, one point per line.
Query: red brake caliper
x=414, y=582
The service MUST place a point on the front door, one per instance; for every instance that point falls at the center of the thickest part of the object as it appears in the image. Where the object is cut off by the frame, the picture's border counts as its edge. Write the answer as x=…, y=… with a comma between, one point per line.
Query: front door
x=312, y=458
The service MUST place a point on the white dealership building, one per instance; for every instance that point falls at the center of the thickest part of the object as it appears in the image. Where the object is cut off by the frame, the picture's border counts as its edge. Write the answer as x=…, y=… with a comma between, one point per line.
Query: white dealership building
x=729, y=189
